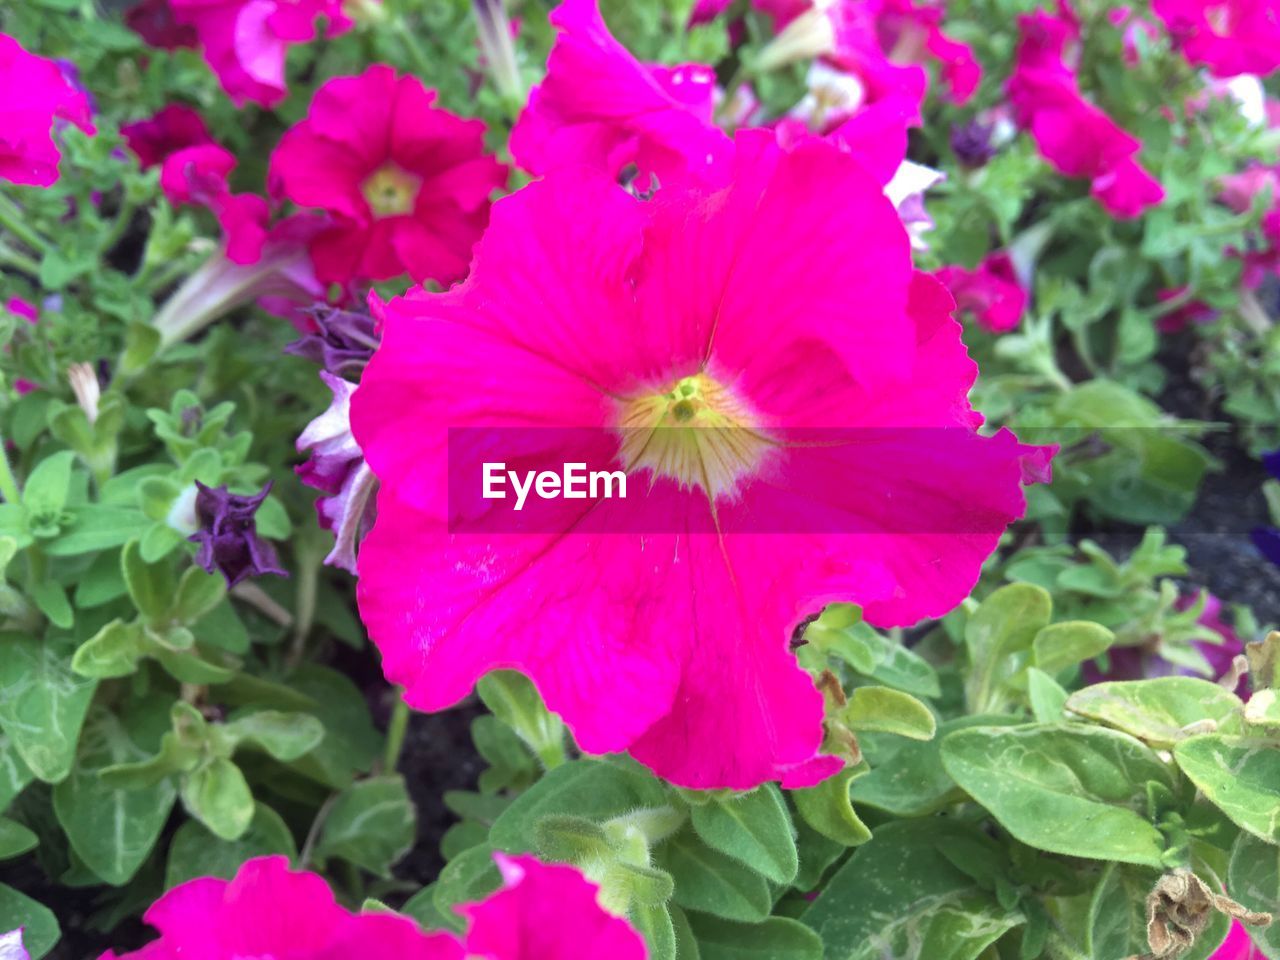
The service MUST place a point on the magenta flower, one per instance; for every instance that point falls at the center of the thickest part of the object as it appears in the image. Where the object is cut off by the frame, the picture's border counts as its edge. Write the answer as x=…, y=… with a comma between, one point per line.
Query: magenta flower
x=246, y=41
x=661, y=625
x=174, y=128
x=1191, y=312
x=153, y=20
x=1074, y=135
x=1230, y=37
x=406, y=183
x=912, y=32
x=1238, y=945
x=991, y=293
x=199, y=175
x=599, y=106
x=34, y=96
x=336, y=467
x=543, y=912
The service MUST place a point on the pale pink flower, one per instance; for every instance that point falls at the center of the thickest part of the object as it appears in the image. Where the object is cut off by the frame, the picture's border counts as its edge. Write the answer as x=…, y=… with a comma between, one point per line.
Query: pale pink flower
x=601, y=107
x=35, y=95
x=11, y=947
x=778, y=308
x=406, y=184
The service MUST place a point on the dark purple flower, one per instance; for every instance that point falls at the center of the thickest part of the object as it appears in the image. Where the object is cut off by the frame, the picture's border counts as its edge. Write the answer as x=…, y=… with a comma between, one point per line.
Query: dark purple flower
x=1145, y=662
x=343, y=341
x=972, y=143
x=1267, y=539
x=337, y=468
x=228, y=536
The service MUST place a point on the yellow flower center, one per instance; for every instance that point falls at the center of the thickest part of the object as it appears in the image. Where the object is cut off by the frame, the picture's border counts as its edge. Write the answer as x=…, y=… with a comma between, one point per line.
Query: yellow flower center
x=698, y=433
x=391, y=191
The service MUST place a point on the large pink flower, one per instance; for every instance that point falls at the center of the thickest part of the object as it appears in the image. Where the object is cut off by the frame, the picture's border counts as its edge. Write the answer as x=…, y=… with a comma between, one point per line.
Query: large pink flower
x=407, y=184
x=805, y=394
x=991, y=292
x=1238, y=945
x=34, y=96
x=1230, y=37
x=543, y=913
x=198, y=175
x=599, y=106
x=246, y=41
x=1074, y=135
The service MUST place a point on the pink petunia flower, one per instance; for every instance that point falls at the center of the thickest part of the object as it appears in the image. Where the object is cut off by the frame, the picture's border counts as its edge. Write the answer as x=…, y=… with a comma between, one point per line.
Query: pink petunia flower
x=1238, y=945
x=1074, y=135
x=406, y=184
x=1230, y=37
x=911, y=32
x=198, y=175
x=246, y=41
x=174, y=128
x=546, y=912
x=153, y=20
x=1192, y=312
x=599, y=106
x=991, y=293
x=704, y=11
x=34, y=96
x=267, y=910
x=769, y=335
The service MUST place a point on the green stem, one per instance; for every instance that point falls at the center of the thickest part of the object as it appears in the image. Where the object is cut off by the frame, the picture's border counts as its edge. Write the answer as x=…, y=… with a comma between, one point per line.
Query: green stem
x=396, y=729
x=19, y=261
x=11, y=218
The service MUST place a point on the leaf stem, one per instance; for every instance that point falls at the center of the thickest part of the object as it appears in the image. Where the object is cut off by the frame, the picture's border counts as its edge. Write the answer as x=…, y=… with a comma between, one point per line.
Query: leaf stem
x=396, y=729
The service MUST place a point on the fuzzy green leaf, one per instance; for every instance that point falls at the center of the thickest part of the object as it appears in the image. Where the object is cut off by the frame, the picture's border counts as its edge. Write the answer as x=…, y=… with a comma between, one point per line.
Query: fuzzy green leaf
x=753, y=828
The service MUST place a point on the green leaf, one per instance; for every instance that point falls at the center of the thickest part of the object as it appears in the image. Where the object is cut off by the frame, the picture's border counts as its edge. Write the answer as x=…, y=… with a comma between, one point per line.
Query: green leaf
x=564, y=838
x=1253, y=879
x=753, y=828
x=882, y=710
x=594, y=789
x=686, y=942
x=371, y=825
x=1048, y=698
x=351, y=744
x=94, y=527
x=51, y=599
x=198, y=594
x=653, y=922
x=14, y=774
x=15, y=839
x=708, y=881
x=826, y=808
x=151, y=585
x=217, y=795
x=1065, y=789
x=778, y=938
x=39, y=926
x=195, y=852
x=1238, y=777
x=998, y=636
x=45, y=492
x=1117, y=924
x=839, y=632
x=112, y=829
x=286, y=736
x=1062, y=645
x=898, y=896
x=1159, y=710
x=114, y=651
x=914, y=783
x=468, y=877
x=42, y=705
